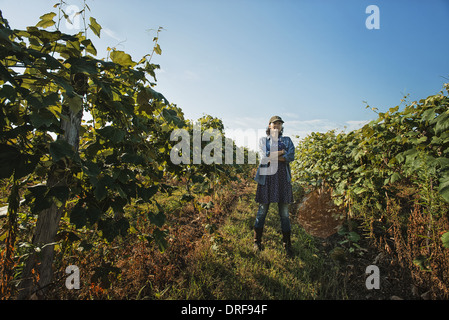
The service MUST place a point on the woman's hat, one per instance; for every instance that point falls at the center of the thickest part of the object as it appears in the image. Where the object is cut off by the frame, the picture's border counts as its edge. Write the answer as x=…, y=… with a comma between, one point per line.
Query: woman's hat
x=276, y=118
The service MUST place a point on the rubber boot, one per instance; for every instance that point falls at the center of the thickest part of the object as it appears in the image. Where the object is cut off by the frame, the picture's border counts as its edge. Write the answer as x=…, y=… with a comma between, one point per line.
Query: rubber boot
x=286, y=239
x=258, y=239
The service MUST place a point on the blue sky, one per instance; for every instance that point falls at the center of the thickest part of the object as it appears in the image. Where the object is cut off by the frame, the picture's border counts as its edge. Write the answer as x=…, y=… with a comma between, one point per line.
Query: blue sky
x=311, y=62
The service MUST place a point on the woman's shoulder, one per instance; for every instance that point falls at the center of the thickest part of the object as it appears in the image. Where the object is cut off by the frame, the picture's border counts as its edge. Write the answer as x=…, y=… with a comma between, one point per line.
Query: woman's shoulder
x=288, y=141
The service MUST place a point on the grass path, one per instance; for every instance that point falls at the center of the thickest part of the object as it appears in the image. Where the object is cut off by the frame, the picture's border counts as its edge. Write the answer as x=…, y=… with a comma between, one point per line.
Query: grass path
x=226, y=266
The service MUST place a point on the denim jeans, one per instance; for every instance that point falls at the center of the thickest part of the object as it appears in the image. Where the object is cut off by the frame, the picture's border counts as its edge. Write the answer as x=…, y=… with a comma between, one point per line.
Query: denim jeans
x=283, y=214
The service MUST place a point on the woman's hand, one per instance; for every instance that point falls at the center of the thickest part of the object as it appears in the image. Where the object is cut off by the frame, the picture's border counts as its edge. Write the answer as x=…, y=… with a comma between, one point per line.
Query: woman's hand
x=277, y=155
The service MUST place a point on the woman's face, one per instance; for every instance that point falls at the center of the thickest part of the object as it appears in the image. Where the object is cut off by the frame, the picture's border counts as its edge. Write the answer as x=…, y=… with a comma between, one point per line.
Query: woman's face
x=277, y=125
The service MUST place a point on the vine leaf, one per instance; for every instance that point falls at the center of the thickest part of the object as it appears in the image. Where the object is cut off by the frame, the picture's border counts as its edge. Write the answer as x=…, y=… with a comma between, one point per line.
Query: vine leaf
x=158, y=49
x=95, y=27
x=61, y=149
x=444, y=188
x=122, y=58
x=46, y=20
x=8, y=159
x=445, y=239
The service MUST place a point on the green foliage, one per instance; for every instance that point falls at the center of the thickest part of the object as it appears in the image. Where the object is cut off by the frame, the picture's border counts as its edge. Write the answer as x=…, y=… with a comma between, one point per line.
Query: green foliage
x=207, y=178
x=445, y=239
x=351, y=237
x=409, y=146
x=95, y=27
x=108, y=170
x=47, y=77
x=391, y=176
x=46, y=20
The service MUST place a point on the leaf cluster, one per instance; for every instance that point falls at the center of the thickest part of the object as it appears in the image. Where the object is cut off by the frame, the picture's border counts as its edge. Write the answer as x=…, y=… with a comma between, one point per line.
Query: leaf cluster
x=409, y=147
x=47, y=79
x=120, y=156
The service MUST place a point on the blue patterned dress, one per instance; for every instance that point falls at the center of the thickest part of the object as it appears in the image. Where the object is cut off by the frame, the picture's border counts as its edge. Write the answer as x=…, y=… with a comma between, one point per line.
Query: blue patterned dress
x=277, y=187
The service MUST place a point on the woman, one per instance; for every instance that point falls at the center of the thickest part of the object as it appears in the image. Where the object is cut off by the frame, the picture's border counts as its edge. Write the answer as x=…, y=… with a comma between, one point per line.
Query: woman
x=274, y=180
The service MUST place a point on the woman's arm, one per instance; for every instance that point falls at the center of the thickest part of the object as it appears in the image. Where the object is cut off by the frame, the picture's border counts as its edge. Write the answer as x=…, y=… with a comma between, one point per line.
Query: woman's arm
x=264, y=154
x=281, y=156
x=277, y=155
x=289, y=154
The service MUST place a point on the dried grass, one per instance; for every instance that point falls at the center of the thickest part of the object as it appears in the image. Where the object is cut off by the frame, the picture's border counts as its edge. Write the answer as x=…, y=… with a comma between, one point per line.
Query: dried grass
x=318, y=214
